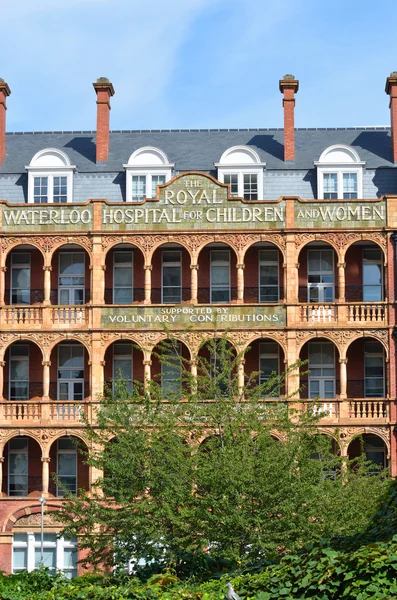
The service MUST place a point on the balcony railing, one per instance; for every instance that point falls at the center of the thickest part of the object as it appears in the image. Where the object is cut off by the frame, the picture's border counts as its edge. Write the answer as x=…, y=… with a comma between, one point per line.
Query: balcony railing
x=319, y=313
x=65, y=411
x=368, y=410
x=69, y=315
x=366, y=313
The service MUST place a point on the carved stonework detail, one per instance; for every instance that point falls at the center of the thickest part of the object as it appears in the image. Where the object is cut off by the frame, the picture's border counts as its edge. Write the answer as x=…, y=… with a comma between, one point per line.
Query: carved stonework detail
x=6, y=242
x=147, y=242
x=48, y=243
x=377, y=237
x=304, y=238
x=241, y=240
x=380, y=334
x=107, y=337
x=277, y=238
x=194, y=242
x=34, y=520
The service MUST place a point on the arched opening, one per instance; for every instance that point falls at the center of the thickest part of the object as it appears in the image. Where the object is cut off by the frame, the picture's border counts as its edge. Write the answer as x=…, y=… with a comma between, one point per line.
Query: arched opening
x=23, y=373
x=217, y=274
x=217, y=369
x=264, y=363
x=70, y=276
x=123, y=362
x=171, y=368
x=320, y=377
x=372, y=446
x=170, y=275
x=263, y=274
x=366, y=372
x=364, y=275
x=69, y=372
x=317, y=273
x=22, y=467
x=68, y=466
x=24, y=278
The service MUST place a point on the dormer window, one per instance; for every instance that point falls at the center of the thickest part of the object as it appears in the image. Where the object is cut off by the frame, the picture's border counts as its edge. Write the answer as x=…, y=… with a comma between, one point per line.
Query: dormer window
x=241, y=168
x=50, y=178
x=146, y=169
x=339, y=174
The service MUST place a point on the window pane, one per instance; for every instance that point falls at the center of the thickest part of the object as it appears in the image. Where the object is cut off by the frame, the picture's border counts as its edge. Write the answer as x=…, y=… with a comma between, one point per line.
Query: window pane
x=156, y=180
x=138, y=188
x=49, y=558
x=232, y=180
x=20, y=559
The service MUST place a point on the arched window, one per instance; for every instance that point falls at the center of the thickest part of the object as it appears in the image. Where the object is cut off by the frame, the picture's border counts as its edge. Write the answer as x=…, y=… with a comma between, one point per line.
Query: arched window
x=50, y=177
x=339, y=174
x=242, y=169
x=146, y=169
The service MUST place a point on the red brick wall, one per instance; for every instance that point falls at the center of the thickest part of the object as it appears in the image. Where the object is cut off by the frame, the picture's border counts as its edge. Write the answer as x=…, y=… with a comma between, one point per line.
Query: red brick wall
x=5, y=558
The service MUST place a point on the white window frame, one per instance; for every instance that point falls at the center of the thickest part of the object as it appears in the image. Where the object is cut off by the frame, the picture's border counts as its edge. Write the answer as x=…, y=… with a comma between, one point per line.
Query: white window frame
x=50, y=163
x=70, y=382
x=70, y=288
x=31, y=544
x=263, y=355
x=25, y=358
x=147, y=162
x=17, y=266
x=171, y=264
x=123, y=264
x=12, y=452
x=320, y=286
x=378, y=262
x=240, y=161
x=172, y=354
x=379, y=354
x=268, y=263
x=339, y=159
x=69, y=451
x=126, y=356
x=322, y=378
x=212, y=250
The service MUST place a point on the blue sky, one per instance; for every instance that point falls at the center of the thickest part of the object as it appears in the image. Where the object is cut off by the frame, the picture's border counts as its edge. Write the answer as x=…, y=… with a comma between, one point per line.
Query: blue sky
x=196, y=63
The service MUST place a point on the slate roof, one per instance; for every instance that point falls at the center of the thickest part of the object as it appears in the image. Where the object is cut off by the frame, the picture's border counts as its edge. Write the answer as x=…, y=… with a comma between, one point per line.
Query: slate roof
x=199, y=149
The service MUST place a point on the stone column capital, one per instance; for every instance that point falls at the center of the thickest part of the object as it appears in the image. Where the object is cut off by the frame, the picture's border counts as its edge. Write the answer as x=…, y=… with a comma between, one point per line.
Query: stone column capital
x=148, y=267
x=45, y=459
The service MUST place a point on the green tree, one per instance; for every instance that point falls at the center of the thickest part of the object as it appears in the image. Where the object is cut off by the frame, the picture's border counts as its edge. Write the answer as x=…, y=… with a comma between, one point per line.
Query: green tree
x=199, y=465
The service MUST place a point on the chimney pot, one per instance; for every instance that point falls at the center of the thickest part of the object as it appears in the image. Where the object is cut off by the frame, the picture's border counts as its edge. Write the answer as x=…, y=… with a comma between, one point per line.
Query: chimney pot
x=391, y=90
x=4, y=92
x=288, y=86
x=104, y=90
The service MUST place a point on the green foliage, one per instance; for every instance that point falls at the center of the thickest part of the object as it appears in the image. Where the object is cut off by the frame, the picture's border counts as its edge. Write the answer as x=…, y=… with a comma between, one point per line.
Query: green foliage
x=241, y=493
x=321, y=573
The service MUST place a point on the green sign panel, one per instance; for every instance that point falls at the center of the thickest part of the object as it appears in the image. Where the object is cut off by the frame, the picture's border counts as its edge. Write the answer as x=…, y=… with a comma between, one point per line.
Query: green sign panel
x=48, y=217
x=193, y=201
x=348, y=214
x=198, y=317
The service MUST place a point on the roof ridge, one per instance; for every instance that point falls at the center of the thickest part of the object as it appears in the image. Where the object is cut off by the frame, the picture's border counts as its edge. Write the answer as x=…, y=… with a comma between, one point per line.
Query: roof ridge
x=220, y=130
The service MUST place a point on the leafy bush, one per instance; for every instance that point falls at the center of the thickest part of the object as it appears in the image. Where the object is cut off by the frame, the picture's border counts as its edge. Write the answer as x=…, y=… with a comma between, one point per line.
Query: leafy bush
x=321, y=573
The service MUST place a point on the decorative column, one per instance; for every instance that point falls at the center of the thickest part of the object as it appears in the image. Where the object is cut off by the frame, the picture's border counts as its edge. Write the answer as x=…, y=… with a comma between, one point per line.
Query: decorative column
x=47, y=285
x=343, y=378
x=148, y=284
x=2, y=284
x=193, y=373
x=240, y=378
x=1, y=473
x=341, y=282
x=45, y=474
x=194, y=284
x=46, y=379
x=147, y=372
x=240, y=283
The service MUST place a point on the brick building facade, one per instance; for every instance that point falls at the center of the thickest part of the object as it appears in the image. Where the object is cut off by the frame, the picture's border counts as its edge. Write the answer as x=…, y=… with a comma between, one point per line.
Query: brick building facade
x=283, y=237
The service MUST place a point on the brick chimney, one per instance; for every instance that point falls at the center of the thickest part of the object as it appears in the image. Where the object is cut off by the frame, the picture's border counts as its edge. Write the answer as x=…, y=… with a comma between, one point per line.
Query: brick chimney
x=289, y=86
x=391, y=90
x=105, y=91
x=4, y=92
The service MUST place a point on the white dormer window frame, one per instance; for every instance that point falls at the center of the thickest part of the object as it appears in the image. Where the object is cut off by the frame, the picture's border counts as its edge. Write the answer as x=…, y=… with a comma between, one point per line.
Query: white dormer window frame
x=334, y=163
x=50, y=177
x=144, y=166
x=241, y=161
